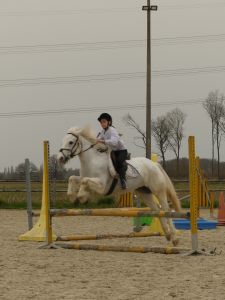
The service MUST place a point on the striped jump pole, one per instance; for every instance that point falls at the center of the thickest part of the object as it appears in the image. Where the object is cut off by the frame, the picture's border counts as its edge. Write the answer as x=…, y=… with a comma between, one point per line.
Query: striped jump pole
x=48, y=219
x=118, y=212
x=193, y=198
x=81, y=237
x=138, y=249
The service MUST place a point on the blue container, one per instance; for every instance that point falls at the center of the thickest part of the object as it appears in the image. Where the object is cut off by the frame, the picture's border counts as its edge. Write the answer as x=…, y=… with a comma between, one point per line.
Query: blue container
x=202, y=224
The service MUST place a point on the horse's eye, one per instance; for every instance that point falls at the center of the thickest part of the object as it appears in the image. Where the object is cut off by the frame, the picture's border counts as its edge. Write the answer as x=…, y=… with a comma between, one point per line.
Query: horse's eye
x=71, y=143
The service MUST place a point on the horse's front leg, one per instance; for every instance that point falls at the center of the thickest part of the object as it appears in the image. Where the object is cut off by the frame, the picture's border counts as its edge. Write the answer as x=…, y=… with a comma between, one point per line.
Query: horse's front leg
x=89, y=185
x=73, y=188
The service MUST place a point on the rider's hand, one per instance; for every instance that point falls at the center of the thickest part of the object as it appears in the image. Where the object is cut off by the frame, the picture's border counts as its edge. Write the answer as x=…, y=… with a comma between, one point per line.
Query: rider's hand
x=100, y=141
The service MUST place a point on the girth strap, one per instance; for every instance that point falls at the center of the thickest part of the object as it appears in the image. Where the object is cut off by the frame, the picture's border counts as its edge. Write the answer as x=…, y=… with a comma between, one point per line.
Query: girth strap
x=112, y=187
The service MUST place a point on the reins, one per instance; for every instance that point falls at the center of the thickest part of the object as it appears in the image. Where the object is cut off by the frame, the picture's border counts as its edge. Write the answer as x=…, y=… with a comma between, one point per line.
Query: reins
x=74, y=148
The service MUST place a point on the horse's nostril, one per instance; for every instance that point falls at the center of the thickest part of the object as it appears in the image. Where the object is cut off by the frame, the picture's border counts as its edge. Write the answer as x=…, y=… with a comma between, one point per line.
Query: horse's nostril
x=61, y=159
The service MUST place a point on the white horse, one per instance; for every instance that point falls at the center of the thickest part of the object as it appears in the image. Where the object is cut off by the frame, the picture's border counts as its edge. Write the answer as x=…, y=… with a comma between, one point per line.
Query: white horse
x=97, y=175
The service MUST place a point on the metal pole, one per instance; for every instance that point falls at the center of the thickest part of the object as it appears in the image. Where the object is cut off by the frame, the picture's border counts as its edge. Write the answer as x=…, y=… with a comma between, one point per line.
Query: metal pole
x=148, y=84
x=29, y=198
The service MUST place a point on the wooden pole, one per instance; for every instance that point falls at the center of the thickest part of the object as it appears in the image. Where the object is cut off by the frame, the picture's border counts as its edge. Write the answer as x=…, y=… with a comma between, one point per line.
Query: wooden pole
x=46, y=192
x=118, y=212
x=138, y=249
x=80, y=237
x=148, y=83
x=193, y=193
x=193, y=197
x=212, y=202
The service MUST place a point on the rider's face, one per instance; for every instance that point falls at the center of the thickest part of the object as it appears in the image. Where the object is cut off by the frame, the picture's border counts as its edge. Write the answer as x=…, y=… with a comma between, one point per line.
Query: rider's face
x=104, y=123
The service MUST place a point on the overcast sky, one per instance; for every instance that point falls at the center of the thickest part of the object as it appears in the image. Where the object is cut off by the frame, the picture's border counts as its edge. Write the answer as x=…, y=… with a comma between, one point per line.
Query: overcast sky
x=49, y=25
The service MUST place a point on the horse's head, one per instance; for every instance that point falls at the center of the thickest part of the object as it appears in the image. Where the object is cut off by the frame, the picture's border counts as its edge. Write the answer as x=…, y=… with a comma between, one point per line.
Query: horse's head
x=72, y=144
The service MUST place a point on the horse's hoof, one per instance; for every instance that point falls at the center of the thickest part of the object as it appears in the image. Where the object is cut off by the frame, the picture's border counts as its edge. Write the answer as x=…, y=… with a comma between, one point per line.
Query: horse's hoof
x=175, y=242
x=168, y=237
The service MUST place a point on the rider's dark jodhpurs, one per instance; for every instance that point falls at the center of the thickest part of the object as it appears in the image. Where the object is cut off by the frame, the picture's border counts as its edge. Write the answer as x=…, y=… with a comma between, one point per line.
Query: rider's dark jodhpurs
x=120, y=164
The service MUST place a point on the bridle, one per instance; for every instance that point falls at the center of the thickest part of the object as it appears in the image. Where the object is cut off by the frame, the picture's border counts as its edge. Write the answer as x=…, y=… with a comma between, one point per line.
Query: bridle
x=73, y=150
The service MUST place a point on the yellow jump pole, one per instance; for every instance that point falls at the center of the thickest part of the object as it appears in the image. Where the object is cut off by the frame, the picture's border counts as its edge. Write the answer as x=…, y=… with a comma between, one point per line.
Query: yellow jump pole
x=212, y=202
x=138, y=249
x=118, y=212
x=38, y=232
x=46, y=183
x=198, y=182
x=48, y=219
x=193, y=198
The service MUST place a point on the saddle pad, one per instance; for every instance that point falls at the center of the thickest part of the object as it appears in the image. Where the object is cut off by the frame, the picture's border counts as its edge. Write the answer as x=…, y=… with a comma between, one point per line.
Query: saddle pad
x=131, y=171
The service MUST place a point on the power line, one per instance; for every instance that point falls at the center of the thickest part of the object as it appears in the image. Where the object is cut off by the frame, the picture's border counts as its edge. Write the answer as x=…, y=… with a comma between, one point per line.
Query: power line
x=188, y=71
x=63, y=47
x=72, y=110
x=70, y=79
x=214, y=4
x=122, y=10
x=107, y=77
x=189, y=39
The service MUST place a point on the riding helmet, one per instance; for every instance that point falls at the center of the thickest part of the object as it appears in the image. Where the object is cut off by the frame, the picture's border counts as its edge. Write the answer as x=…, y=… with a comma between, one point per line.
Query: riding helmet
x=105, y=116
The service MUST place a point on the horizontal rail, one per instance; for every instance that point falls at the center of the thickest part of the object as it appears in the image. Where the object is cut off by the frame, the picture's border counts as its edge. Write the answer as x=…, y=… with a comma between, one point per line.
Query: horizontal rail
x=33, y=181
x=118, y=212
x=33, y=191
x=138, y=249
x=65, y=190
x=37, y=214
x=66, y=181
x=80, y=237
x=210, y=190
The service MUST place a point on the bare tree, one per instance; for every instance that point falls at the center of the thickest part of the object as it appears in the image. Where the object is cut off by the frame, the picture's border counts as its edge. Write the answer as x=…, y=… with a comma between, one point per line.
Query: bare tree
x=20, y=170
x=214, y=105
x=161, y=132
x=129, y=121
x=176, y=119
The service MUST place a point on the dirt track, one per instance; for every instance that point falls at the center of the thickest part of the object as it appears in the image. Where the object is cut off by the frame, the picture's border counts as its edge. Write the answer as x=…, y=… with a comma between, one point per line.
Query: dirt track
x=30, y=273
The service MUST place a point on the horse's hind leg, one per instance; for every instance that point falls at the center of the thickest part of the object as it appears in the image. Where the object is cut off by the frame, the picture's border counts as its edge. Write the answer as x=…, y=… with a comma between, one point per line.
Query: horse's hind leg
x=148, y=199
x=165, y=206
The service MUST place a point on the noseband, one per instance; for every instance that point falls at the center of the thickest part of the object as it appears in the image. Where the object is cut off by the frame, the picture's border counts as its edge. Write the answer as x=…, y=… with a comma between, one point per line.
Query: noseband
x=72, y=151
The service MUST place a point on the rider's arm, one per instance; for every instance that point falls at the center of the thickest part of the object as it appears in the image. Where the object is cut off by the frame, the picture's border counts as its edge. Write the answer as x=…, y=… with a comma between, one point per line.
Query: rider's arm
x=113, y=140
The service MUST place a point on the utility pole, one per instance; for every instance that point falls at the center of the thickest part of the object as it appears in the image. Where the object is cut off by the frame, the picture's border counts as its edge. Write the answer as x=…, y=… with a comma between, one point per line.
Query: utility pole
x=148, y=8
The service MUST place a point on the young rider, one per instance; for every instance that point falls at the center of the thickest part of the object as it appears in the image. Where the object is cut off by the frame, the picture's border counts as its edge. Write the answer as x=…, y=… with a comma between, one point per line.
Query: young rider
x=110, y=137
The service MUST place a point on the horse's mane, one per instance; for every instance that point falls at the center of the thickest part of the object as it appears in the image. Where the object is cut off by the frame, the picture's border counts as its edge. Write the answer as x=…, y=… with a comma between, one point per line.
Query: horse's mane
x=88, y=134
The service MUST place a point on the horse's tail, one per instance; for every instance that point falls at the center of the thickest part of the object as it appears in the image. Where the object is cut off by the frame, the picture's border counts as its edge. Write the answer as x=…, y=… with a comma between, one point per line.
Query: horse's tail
x=171, y=193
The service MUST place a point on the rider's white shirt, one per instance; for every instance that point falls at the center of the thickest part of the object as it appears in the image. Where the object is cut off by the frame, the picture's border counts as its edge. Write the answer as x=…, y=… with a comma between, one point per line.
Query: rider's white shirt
x=112, y=139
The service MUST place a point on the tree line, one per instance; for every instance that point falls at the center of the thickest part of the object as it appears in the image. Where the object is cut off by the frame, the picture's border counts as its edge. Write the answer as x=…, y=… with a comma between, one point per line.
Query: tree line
x=168, y=133
x=56, y=171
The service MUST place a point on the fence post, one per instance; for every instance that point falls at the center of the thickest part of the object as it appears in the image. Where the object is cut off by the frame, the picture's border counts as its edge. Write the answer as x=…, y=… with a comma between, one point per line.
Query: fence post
x=29, y=197
x=46, y=193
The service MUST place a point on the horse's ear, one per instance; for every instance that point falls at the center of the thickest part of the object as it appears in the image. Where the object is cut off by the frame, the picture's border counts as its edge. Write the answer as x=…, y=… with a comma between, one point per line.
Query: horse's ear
x=88, y=133
x=75, y=130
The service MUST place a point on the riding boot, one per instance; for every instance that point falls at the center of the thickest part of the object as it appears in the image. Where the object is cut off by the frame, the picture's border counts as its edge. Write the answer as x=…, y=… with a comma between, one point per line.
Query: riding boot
x=123, y=182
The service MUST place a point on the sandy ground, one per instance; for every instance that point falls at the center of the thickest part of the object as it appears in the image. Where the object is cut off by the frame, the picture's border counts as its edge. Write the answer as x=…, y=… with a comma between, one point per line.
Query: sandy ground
x=27, y=272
